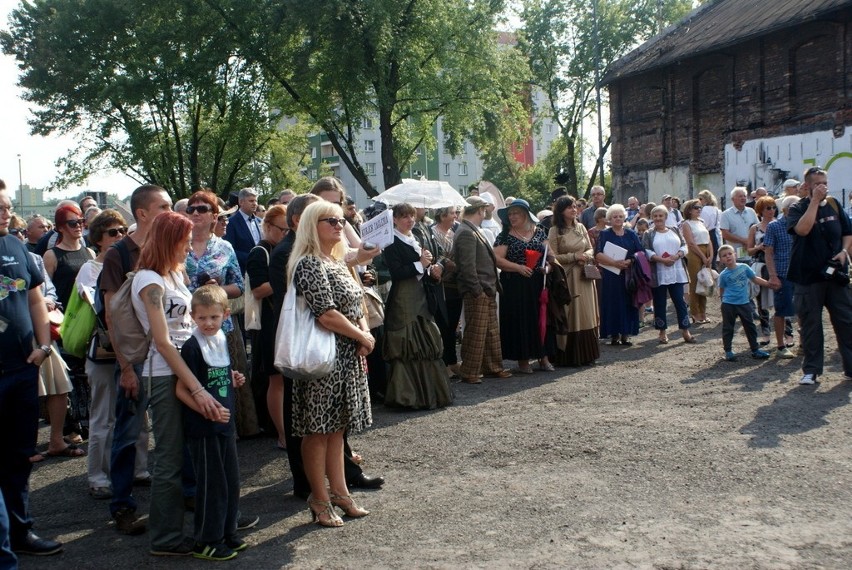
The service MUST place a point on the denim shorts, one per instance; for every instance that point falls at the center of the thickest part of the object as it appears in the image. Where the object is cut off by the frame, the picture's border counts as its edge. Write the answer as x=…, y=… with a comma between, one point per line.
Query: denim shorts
x=784, y=300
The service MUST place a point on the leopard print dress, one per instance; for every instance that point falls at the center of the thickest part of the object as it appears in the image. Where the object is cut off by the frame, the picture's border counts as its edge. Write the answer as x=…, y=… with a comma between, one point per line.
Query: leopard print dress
x=340, y=400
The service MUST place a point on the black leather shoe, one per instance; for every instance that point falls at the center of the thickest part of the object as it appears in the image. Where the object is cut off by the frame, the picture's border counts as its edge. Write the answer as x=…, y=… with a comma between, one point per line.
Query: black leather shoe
x=366, y=482
x=36, y=546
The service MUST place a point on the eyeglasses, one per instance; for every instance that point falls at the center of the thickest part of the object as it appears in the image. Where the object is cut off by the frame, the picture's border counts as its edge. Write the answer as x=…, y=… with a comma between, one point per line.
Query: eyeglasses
x=334, y=222
x=74, y=223
x=112, y=232
x=770, y=207
x=18, y=231
x=222, y=219
x=696, y=207
x=201, y=209
x=814, y=170
x=279, y=227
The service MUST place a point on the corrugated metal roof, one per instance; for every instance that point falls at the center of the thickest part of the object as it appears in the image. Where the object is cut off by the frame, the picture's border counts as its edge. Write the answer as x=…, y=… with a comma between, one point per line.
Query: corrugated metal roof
x=717, y=25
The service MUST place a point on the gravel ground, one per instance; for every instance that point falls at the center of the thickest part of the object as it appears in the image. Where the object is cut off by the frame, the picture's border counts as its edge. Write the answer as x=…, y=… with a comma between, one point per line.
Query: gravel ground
x=660, y=456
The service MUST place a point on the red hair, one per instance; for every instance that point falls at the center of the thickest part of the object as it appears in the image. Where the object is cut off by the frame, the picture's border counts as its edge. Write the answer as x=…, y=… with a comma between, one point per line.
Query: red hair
x=61, y=216
x=165, y=248
x=205, y=196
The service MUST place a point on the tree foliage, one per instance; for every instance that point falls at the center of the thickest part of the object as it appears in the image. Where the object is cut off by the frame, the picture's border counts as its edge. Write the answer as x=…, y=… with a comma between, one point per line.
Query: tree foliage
x=563, y=40
x=148, y=88
x=403, y=63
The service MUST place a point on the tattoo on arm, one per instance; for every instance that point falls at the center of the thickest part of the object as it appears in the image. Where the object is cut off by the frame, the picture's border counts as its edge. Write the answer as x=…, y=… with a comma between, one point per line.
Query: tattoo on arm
x=155, y=297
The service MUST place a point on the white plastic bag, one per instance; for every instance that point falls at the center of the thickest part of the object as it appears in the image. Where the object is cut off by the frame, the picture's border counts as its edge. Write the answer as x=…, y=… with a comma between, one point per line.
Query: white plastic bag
x=706, y=281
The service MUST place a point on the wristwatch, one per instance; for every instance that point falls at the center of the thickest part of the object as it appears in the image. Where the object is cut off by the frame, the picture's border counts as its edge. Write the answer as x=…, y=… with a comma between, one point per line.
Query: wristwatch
x=46, y=348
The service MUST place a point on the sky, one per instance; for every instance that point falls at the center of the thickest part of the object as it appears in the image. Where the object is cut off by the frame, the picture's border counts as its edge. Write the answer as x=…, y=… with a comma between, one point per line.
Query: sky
x=38, y=155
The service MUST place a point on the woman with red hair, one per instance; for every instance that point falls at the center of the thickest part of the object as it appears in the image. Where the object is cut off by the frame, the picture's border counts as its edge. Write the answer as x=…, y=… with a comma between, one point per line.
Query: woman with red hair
x=162, y=304
x=62, y=263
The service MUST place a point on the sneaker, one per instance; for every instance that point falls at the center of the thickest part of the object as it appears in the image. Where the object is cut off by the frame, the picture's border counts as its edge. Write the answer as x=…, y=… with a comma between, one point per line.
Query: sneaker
x=784, y=352
x=236, y=544
x=184, y=548
x=808, y=379
x=245, y=523
x=762, y=354
x=213, y=552
x=730, y=356
x=127, y=522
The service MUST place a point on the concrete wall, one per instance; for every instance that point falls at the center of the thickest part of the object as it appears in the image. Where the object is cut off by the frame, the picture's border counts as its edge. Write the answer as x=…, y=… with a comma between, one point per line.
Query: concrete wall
x=768, y=162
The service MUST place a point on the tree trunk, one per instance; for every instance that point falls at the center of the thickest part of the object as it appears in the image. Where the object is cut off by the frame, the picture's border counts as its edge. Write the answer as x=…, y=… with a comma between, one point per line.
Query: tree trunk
x=390, y=166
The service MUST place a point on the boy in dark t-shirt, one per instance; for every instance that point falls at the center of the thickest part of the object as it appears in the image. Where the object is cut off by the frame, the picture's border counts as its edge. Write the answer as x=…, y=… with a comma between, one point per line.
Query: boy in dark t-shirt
x=212, y=445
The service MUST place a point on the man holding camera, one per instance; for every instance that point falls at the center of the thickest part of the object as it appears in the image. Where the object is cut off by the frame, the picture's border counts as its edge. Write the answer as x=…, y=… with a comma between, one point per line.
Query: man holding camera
x=819, y=263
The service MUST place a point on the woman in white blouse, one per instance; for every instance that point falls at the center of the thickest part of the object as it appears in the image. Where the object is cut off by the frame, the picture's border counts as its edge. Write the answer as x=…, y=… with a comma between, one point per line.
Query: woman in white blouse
x=711, y=215
x=666, y=249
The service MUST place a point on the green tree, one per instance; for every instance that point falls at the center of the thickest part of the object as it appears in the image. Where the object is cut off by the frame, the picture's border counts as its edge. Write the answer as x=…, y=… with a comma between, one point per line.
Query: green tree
x=403, y=63
x=565, y=39
x=148, y=88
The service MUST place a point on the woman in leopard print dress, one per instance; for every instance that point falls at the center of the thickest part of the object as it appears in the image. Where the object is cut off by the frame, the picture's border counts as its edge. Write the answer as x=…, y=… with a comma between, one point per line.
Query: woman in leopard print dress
x=325, y=407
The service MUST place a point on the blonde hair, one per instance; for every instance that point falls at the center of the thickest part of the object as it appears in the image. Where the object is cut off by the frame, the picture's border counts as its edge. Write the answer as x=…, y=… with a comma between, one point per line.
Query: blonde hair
x=209, y=296
x=707, y=196
x=725, y=247
x=307, y=238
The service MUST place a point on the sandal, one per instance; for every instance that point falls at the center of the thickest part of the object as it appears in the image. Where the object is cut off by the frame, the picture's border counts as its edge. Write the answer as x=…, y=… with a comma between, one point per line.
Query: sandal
x=547, y=367
x=689, y=339
x=324, y=516
x=38, y=457
x=70, y=451
x=663, y=340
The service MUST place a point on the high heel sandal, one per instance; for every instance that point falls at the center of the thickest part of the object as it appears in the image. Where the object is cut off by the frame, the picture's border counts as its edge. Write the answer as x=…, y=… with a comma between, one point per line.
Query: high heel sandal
x=347, y=504
x=326, y=516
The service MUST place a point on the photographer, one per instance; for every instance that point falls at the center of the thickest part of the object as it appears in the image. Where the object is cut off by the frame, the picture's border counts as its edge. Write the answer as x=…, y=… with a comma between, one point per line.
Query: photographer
x=819, y=264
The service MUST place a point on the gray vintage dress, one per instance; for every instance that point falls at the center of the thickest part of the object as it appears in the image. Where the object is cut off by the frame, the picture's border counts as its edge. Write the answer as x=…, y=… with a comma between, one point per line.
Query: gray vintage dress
x=340, y=400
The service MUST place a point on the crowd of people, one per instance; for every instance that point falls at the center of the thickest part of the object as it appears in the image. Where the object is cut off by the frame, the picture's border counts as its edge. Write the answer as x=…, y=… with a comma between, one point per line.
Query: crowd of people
x=207, y=285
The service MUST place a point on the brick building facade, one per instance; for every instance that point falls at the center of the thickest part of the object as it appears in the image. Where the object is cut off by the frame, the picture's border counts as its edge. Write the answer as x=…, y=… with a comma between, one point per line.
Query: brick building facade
x=740, y=92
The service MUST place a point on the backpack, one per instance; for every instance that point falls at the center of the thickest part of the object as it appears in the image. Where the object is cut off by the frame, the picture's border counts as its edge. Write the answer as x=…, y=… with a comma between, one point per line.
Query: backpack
x=131, y=337
x=103, y=341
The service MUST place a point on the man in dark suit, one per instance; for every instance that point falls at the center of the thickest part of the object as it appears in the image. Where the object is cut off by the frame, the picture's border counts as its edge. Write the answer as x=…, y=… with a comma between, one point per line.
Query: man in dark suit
x=244, y=227
x=476, y=277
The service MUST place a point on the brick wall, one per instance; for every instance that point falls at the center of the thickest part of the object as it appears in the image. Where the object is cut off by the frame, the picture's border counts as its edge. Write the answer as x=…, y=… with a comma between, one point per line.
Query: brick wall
x=793, y=81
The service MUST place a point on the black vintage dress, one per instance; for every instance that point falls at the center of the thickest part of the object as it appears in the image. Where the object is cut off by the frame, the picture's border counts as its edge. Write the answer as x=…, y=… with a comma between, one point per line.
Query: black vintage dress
x=263, y=340
x=412, y=343
x=520, y=301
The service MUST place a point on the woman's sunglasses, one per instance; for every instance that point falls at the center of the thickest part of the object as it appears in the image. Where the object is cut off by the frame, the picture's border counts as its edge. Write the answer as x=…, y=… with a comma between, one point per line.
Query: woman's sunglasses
x=73, y=223
x=112, y=232
x=334, y=222
x=201, y=209
x=18, y=232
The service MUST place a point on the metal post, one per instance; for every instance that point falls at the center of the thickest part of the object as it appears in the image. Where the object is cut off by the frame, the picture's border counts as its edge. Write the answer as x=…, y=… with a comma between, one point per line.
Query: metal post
x=21, y=187
x=598, y=90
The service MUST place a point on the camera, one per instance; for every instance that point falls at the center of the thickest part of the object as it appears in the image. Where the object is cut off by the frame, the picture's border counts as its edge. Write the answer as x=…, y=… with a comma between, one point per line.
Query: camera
x=835, y=271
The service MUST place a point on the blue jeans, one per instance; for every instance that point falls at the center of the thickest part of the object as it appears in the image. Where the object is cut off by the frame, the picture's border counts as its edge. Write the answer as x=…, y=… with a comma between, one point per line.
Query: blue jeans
x=19, y=426
x=7, y=557
x=129, y=422
x=675, y=291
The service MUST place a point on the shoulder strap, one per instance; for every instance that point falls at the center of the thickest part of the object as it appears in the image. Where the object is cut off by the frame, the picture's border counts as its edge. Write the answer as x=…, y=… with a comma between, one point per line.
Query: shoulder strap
x=124, y=251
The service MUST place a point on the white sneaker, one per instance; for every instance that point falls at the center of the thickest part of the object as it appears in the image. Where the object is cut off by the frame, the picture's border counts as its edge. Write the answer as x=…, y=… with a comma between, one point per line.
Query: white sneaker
x=808, y=379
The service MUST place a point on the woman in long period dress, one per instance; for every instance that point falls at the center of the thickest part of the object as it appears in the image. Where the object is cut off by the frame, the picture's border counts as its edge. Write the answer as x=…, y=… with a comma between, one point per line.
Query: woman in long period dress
x=570, y=244
x=412, y=342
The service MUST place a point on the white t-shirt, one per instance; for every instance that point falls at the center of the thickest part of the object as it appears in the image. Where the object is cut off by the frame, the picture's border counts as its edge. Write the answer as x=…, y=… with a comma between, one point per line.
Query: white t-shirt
x=176, y=303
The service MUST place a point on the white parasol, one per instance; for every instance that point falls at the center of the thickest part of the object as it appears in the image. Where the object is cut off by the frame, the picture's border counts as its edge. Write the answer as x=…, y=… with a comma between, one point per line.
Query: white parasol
x=422, y=194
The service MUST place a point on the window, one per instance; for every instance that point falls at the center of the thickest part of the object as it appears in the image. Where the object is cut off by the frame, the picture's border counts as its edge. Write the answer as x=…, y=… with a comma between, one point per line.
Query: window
x=369, y=145
x=548, y=127
x=313, y=152
x=370, y=168
x=312, y=174
x=446, y=169
x=367, y=123
x=462, y=169
x=418, y=151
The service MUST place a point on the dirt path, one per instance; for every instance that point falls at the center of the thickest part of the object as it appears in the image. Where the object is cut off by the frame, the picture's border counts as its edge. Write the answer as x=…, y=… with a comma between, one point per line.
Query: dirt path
x=658, y=457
